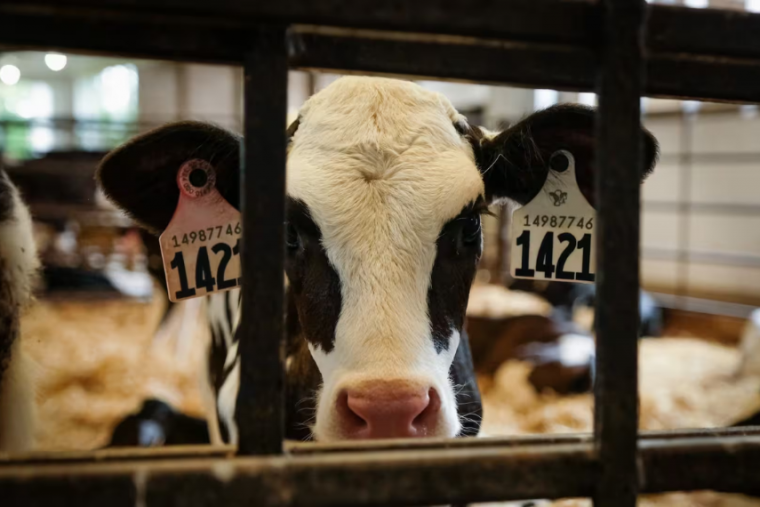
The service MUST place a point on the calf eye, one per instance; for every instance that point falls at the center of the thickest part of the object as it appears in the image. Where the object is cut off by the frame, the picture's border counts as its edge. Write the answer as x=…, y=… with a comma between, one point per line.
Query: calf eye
x=471, y=230
x=292, y=240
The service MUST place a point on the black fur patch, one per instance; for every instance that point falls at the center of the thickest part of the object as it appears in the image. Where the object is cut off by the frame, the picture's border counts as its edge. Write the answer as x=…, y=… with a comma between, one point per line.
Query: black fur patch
x=314, y=283
x=451, y=277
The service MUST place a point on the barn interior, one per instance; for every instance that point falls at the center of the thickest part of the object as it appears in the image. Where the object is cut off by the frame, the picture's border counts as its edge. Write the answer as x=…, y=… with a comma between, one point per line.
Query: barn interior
x=107, y=343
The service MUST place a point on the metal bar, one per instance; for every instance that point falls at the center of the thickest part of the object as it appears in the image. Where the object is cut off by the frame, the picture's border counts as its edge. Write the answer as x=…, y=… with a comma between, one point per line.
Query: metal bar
x=618, y=166
x=312, y=448
x=727, y=463
x=461, y=58
x=701, y=77
x=545, y=20
x=720, y=464
x=683, y=29
x=702, y=434
x=169, y=37
x=260, y=403
x=563, y=67
x=675, y=29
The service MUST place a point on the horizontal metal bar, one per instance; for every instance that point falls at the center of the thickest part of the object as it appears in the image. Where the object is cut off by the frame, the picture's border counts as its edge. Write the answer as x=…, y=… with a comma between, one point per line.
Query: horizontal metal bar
x=670, y=28
x=563, y=67
x=703, y=31
x=459, y=58
x=301, y=448
x=537, y=20
x=168, y=452
x=419, y=477
x=170, y=37
x=721, y=459
x=701, y=77
x=730, y=464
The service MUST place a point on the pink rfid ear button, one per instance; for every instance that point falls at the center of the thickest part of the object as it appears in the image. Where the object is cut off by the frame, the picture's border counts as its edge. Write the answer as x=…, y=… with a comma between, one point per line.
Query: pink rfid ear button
x=196, y=178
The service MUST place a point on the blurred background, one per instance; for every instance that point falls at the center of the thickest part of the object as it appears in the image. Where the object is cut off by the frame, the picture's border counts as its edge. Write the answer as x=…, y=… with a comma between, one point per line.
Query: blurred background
x=106, y=339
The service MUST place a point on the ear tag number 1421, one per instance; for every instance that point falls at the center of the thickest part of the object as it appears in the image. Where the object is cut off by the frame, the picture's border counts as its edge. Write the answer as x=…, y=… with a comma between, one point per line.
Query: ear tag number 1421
x=201, y=245
x=553, y=235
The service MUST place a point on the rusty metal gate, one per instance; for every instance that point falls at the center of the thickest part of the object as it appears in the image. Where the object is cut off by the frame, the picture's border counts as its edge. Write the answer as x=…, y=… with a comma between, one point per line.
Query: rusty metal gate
x=621, y=49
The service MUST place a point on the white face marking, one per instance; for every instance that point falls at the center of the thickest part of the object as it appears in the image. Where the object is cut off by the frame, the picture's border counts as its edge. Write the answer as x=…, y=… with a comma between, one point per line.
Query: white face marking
x=382, y=169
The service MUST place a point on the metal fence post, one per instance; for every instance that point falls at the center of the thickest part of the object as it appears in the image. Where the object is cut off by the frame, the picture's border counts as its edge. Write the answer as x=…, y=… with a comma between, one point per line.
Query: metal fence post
x=618, y=161
x=260, y=404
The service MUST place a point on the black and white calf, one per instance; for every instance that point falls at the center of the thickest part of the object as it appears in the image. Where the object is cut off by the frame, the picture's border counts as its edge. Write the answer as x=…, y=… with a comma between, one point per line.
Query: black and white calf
x=386, y=183
x=18, y=268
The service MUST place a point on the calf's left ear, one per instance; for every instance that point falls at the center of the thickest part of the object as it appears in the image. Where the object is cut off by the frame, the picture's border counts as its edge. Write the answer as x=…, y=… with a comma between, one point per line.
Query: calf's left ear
x=516, y=161
x=140, y=177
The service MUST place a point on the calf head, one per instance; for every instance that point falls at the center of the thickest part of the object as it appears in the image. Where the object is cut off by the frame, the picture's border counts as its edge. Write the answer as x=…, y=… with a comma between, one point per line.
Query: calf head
x=386, y=184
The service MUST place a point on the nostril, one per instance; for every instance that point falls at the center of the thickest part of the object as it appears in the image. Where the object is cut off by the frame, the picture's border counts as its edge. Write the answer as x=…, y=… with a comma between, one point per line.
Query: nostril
x=352, y=422
x=426, y=419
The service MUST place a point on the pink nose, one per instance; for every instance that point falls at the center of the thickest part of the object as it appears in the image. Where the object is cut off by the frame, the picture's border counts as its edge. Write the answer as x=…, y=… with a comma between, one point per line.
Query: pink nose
x=388, y=410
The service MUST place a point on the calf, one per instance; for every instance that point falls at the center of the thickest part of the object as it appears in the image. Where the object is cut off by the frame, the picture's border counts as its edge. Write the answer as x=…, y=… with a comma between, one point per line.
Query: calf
x=386, y=184
x=18, y=268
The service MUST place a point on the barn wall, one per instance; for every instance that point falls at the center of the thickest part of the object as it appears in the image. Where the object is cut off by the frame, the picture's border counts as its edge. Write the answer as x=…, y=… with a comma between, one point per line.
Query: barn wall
x=733, y=237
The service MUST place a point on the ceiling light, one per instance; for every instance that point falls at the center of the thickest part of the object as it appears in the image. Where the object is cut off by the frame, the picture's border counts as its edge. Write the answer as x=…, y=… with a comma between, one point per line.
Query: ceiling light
x=55, y=61
x=9, y=74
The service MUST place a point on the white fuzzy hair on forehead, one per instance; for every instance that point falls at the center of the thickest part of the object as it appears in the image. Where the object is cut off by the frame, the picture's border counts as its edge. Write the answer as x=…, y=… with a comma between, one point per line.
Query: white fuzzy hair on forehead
x=362, y=129
x=381, y=113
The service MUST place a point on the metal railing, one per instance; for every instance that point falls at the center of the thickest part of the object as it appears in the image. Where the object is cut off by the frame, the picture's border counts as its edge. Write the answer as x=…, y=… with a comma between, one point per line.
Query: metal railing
x=609, y=46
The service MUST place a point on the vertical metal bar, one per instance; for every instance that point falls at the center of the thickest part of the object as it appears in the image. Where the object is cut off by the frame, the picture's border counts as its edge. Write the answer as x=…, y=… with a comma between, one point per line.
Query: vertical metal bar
x=618, y=162
x=259, y=411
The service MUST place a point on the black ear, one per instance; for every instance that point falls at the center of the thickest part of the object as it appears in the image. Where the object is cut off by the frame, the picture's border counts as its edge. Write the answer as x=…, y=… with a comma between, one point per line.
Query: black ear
x=140, y=177
x=515, y=162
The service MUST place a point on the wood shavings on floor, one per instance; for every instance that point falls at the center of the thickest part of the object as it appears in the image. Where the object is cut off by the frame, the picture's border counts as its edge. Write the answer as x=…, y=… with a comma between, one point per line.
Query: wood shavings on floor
x=684, y=383
x=96, y=362
x=496, y=301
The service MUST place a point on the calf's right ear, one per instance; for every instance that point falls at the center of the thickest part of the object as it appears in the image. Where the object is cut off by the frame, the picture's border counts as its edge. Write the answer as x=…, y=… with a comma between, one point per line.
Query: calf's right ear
x=140, y=177
x=515, y=162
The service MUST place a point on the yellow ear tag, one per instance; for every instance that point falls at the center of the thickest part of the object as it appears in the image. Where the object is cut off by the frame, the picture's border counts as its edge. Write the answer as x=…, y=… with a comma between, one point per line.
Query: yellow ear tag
x=553, y=235
x=201, y=245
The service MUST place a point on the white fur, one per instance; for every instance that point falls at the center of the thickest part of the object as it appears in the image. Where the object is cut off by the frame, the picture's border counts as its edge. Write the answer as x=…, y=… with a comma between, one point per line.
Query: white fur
x=222, y=328
x=19, y=264
x=227, y=400
x=17, y=404
x=382, y=169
